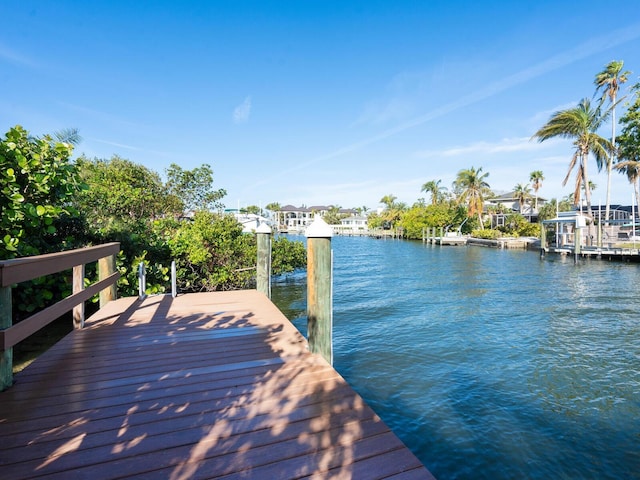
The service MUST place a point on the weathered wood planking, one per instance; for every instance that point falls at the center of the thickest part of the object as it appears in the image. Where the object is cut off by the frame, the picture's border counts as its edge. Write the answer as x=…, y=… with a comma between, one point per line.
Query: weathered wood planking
x=210, y=385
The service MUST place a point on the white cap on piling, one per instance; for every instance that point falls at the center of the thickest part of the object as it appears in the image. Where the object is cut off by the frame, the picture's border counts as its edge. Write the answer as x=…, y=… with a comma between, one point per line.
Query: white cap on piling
x=318, y=229
x=263, y=228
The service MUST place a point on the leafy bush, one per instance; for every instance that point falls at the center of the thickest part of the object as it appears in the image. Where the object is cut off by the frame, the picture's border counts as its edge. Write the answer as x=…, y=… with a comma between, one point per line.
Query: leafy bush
x=287, y=256
x=38, y=182
x=487, y=234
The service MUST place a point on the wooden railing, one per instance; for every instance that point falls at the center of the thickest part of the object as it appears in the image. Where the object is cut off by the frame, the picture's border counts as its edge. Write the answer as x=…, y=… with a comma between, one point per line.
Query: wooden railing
x=23, y=269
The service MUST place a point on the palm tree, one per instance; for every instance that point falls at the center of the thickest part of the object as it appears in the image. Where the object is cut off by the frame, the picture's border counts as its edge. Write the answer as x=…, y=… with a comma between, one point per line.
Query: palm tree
x=275, y=208
x=609, y=81
x=536, y=178
x=580, y=124
x=522, y=194
x=437, y=192
x=473, y=189
x=388, y=200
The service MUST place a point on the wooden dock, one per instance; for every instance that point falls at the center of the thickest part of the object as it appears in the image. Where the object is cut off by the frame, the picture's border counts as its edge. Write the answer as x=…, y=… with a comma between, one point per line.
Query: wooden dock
x=209, y=385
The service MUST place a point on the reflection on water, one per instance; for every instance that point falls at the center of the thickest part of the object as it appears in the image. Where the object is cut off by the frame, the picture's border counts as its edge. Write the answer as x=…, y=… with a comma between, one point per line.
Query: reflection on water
x=490, y=363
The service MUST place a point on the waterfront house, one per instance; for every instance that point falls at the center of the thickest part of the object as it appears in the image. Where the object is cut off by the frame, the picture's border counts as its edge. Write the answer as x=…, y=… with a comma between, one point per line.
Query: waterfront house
x=508, y=204
x=296, y=219
x=352, y=225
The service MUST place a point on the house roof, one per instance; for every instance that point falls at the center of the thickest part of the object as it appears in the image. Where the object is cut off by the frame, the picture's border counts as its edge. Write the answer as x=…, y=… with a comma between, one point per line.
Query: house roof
x=314, y=208
x=510, y=196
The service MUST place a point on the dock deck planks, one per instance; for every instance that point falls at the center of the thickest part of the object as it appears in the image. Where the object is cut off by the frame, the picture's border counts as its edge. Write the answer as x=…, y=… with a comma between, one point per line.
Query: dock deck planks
x=208, y=385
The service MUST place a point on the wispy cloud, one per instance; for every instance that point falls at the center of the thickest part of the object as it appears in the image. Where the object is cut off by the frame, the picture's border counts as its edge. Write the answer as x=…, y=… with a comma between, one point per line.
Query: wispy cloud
x=507, y=145
x=403, y=98
x=242, y=112
x=115, y=144
x=541, y=117
x=102, y=116
x=584, y=50
x=9, y=55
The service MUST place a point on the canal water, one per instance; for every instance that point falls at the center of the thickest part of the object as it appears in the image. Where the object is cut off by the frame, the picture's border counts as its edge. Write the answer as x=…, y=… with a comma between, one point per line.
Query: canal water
x=490, y=364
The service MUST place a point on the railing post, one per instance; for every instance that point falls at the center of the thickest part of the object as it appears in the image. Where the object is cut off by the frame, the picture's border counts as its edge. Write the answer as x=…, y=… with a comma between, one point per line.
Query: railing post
x=174, y=280
x=78, y=286
x=106, y=267
x=320, y=288
x=6, y=356
x=263, y=270
x=142, y=281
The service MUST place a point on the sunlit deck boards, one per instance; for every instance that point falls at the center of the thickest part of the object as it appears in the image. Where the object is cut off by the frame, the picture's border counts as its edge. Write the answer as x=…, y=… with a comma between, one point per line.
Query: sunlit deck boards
x=211, y=385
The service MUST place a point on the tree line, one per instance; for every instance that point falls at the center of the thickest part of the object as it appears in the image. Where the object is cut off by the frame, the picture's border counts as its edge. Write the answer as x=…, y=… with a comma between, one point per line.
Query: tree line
x=52, y=203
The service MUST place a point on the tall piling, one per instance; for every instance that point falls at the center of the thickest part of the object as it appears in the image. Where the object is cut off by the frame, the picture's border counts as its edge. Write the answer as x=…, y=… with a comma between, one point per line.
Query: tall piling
x=320, y=288
x=263, y=270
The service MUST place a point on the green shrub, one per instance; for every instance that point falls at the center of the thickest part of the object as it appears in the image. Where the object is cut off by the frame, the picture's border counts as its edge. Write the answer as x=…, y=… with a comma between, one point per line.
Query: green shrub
x=487, y=234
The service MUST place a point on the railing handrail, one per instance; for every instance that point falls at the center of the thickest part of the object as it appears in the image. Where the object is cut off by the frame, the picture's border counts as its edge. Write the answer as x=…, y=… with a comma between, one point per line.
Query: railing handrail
x=19, y=270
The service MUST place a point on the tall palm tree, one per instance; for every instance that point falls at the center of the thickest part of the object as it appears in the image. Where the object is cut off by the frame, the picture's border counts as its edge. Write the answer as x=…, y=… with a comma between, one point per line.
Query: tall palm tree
x=579, y=124
x=536, y=178
x=473, y=188
x=522, y=194
x=608, y=81
x=435, y=190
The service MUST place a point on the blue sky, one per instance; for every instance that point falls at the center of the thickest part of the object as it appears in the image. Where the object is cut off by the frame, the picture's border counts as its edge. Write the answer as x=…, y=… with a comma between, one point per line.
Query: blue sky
x=316, y=102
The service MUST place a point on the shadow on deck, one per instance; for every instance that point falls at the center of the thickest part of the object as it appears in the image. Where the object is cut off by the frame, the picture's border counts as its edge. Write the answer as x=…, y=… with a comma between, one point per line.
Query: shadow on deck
x=209, y=385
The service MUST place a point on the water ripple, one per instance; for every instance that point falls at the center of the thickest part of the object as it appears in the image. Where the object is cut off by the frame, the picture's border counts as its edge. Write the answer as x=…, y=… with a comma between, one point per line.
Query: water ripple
x=490, y=363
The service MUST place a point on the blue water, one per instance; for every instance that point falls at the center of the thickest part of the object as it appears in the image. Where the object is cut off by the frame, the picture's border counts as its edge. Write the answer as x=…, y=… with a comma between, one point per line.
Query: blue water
x=490, y=363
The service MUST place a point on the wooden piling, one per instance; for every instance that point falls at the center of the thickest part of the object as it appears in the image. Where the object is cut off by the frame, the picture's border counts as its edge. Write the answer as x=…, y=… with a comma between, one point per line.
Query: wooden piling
x=78, y=286
x=320, y=289
x=106, y=267
x=263, y=271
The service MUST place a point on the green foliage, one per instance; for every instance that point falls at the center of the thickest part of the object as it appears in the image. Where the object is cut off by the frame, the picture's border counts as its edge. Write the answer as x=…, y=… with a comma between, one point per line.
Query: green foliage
x=212, y=253
x=252, y=209
x=579, y=124
x=549, y=209
x=287, y=256
x=516, y=225
x=530, y=230
x=49, y=204
x=629, y=140
x=419, y=217
x=333, y=216
x=374, y=220
x=194, y=188
x=38, y=182
x=121, y=192
x=472, y=188
x=487, y=234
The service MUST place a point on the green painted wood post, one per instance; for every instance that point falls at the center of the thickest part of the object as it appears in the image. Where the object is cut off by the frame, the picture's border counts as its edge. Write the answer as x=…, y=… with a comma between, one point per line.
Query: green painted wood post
x=106, y=267
x=320, y=288
x=263, y=270
x=6, y=357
